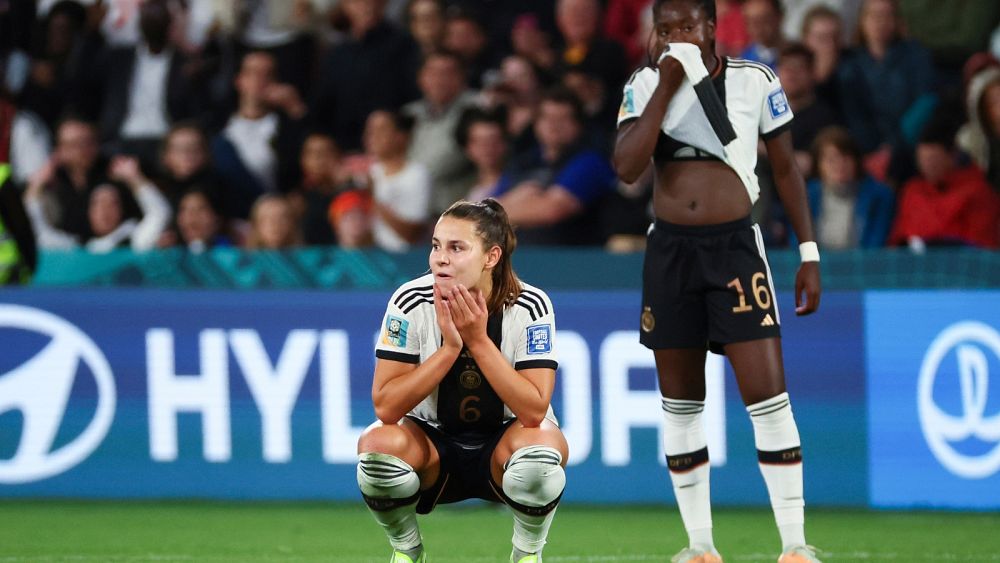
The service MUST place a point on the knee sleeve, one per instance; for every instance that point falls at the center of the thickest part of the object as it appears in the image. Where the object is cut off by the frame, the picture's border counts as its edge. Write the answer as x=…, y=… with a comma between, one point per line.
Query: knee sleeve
x=684, y=435
x=775, y=433
x=533, y=479
x=386, y=482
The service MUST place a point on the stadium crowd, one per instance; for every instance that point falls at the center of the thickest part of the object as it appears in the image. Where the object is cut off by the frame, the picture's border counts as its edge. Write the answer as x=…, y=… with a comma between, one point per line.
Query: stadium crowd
x=269, y=124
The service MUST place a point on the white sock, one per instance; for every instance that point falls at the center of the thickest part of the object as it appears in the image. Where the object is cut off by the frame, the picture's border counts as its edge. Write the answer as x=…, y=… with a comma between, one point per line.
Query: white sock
x=779, y=454
x=390, y=488
x=533, y=483
x=687, y=459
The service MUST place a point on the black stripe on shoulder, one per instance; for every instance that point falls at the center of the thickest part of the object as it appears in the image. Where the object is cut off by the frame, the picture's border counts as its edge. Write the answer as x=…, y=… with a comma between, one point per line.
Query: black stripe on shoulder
x=531, y=300
x=743, y=63
x=636, y=73
x=532, y=364
x=414, y=305
x=403, y=295
x=530, y=310
x=415, y=295
x=538, y=297
x=776, y=131
x=397, y=356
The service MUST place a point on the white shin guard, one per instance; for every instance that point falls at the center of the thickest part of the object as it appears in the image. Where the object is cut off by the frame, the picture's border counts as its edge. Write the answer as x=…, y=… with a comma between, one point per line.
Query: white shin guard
x=533, y=483
x=779, y=454
x=391, y=487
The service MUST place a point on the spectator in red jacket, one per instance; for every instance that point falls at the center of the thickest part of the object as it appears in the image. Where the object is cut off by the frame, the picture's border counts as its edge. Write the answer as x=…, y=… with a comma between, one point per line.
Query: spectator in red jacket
x=946, y=204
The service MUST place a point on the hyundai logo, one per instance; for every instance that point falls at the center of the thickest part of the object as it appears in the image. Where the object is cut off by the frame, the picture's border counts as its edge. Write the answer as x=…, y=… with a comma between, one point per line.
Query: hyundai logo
x=40, y=389
x=943, y=429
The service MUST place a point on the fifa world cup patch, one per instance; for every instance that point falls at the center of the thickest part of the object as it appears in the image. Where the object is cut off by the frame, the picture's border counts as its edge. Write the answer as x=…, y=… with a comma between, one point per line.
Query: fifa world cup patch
x=395, y=331
x=628, y=103
x=539, y=339
x=778, y=103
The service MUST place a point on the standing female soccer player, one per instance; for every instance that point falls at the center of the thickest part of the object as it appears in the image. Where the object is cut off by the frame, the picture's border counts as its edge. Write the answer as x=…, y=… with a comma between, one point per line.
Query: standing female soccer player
x=464, y=374
x=706, y=282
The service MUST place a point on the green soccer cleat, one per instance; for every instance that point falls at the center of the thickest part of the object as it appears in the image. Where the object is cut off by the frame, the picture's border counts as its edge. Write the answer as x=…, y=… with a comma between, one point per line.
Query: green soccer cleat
x=690, y=555
x=400, y=557
x=799, y=554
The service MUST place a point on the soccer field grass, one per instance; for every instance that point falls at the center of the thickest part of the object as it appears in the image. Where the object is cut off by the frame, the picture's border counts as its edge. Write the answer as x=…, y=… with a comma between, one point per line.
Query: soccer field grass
x=208, y=531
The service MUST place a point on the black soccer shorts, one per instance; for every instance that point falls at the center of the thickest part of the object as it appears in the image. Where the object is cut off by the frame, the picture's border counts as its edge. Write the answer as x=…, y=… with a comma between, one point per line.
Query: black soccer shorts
x=706, y=286
x=465, y=467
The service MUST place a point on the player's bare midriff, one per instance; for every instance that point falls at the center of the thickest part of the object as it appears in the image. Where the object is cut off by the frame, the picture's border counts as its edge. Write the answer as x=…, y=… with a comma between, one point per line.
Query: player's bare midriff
x=699, y=193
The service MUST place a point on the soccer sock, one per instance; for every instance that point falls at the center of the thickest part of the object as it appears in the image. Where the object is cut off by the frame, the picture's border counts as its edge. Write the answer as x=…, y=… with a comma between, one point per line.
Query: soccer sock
x=687, y=459
x=391, y=488
x=780, y=455
x=533, y=483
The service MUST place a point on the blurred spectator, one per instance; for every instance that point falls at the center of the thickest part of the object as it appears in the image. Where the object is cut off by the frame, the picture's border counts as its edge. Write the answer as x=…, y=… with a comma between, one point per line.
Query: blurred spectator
x=947, y=204
x=425, y=21
x=256, y=152
x=108, y=223
x=795, y=70
x=822, y=34
x=980, y=136
x=500, y=18
x=374, y=68
x=322, y=180
x=763, y=21
x=796, y=12
x=351, y=217
x=27, y=140
x=850, y=209
x=401, y=187
x=62, y=55
x=599, y=109
x=584, y=47
x=482, y=136
x=552, y=192
x=623, y=23
x=273, y=225
x=436, y=114
x=885, y=91
x=731, y=37
x=199, y=222
x=147, y=87
x=517, y=91
x=280, y=27
x=64, y=182
x=533, y=44
x=951, y=31
x=185, y=161
x=466, y=37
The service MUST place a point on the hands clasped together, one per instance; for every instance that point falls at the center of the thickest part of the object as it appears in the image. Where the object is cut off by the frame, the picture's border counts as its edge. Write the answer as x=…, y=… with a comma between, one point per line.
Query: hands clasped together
x=461, y=315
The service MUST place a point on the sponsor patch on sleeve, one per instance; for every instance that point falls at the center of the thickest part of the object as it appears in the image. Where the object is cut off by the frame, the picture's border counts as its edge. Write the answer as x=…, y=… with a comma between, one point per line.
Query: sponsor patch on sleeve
x=539, y=339
x=778, y=103
x=628, y=103
x=395, y=331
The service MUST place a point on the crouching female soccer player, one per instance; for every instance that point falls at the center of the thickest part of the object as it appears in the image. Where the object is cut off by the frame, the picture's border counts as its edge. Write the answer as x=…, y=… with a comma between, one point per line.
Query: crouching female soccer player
x=706, y=281
x=463, y=378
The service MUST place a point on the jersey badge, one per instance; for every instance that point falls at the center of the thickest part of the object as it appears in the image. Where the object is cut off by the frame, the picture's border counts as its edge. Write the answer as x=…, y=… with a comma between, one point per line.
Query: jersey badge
x=778, y=103
x=628, y=103
x=395, y=331
x=539, y=339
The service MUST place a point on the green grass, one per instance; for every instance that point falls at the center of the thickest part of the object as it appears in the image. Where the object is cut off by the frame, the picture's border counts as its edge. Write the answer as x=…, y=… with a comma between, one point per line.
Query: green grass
x=208, y=531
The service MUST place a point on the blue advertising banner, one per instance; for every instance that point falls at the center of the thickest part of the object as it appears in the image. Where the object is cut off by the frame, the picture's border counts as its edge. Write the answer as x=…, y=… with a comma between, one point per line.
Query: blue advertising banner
x=262, y=395
x=933, y=423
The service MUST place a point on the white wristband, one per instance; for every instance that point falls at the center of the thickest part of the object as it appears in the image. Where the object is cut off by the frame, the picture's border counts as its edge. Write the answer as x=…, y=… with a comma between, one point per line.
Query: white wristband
x=809, y=251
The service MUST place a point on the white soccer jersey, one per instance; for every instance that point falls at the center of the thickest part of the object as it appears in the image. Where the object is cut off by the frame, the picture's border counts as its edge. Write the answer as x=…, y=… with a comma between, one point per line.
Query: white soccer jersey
x=410, y=334
x=755, y=104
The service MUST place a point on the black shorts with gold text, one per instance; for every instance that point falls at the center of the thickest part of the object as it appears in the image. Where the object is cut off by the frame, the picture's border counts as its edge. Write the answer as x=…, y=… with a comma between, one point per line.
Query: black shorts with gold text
x=706, y=286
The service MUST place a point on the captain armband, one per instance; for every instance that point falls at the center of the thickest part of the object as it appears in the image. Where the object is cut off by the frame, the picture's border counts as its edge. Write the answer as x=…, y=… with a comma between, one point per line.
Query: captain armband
x=809, y=251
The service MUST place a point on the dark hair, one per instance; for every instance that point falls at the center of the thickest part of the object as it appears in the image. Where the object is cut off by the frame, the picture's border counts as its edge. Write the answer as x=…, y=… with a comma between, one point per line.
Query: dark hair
x=707, y=6
x=939, y=130
x=859, y=33
x=839, y=138
x=565, y=96
x=476, y=115
x=494, y=229
x=795, y=49
x=403, y=122
x=444, y=54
